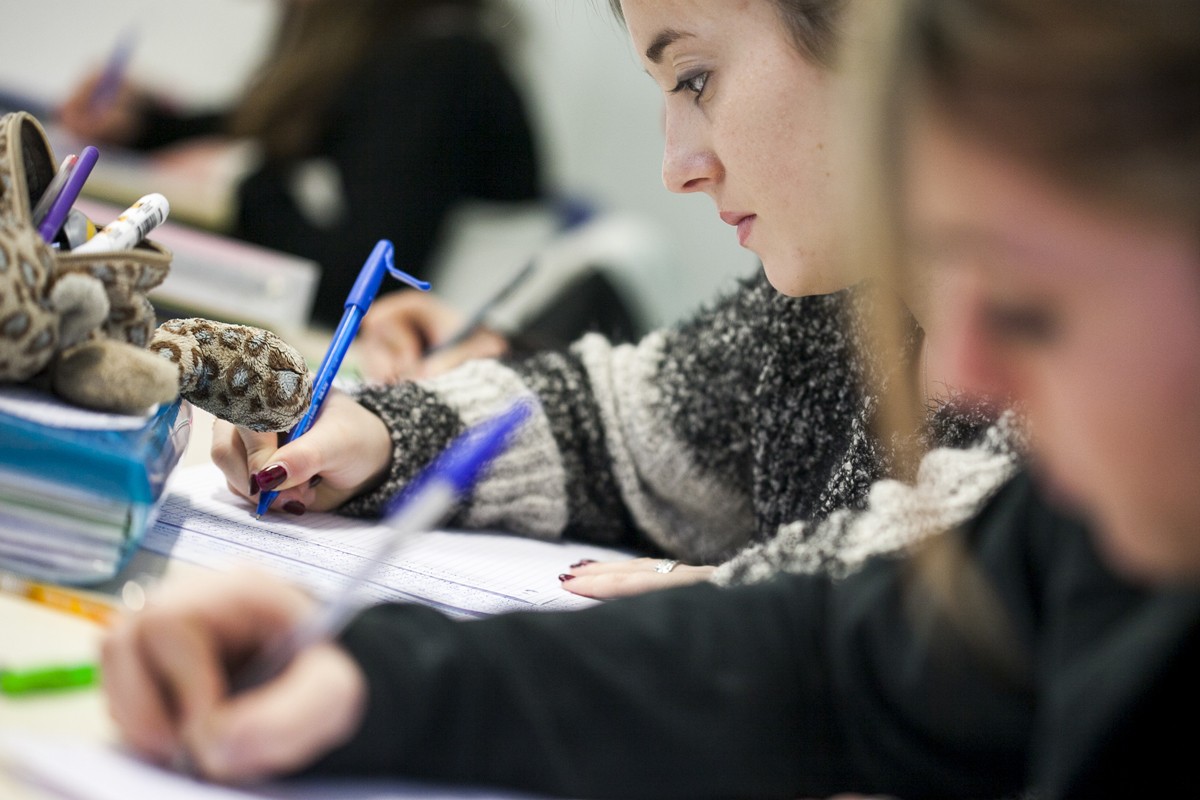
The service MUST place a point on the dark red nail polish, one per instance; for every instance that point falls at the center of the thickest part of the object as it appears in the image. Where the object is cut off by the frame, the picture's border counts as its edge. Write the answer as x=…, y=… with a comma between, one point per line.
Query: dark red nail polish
x=253, y=486
x=583, y=563
x=270, y=478
x=315, y=480
x=566, y=577
x=294, y=507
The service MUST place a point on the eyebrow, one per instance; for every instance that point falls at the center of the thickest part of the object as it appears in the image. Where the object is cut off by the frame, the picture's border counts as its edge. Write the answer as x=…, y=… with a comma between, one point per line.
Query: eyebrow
x=661, y=42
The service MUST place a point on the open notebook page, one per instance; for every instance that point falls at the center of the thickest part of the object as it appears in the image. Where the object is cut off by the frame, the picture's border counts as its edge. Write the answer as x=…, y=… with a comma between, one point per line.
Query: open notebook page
x=462, y=573
x=103, y=772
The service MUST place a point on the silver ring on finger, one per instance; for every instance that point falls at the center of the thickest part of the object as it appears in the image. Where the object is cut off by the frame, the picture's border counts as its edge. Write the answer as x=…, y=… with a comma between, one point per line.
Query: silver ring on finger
x=666, y=565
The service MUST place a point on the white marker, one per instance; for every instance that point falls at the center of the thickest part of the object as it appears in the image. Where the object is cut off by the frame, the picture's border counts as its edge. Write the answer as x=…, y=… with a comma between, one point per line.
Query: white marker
x=131, y=227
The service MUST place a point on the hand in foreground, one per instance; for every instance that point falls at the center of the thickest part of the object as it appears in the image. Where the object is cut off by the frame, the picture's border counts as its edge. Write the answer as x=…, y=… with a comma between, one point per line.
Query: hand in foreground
x=167, y=669
x=402, y=326
x=118, y=121
x=605, y=580
x=346, y=452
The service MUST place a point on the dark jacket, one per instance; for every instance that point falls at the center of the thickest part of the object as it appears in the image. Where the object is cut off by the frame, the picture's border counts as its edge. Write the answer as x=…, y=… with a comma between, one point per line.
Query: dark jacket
x=424, y=124
x=803, y=686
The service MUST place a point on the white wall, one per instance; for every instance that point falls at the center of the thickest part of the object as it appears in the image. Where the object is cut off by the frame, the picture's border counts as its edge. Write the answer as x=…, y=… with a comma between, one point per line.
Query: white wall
x=597, y=111
x=199, y=51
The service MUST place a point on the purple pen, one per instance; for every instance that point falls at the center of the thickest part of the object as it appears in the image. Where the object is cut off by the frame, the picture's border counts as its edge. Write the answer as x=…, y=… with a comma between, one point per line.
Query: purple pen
x=57, y=215
x=114, y=72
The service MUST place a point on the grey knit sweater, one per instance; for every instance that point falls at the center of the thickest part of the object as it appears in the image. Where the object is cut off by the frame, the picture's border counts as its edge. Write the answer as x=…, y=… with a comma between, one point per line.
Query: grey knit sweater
x=744, y=426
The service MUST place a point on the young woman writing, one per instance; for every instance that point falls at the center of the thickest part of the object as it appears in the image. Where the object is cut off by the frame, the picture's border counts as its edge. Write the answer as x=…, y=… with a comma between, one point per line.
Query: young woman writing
x=743, y=425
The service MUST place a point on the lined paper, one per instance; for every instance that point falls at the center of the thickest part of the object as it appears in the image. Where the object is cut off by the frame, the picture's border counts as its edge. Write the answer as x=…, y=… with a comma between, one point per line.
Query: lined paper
x=103, y=772
x=467, y=574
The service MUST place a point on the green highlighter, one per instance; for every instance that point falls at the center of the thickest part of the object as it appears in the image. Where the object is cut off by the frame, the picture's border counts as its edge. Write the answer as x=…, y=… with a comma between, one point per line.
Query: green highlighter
x=48, y=679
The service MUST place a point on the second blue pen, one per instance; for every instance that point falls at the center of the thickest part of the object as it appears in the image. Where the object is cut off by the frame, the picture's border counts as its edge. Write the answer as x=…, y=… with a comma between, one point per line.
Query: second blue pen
x=366, y=286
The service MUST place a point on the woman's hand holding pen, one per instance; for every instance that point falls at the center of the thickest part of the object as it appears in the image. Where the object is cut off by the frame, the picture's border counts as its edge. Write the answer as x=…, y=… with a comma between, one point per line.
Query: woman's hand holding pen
x=346, y=452
x=119, y=120
x=402, y=326
x=167, y=670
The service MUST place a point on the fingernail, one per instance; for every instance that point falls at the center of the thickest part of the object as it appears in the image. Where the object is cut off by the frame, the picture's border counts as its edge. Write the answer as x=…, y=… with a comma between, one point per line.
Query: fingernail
x=253, y=485
x=294, y=507
x=583, y=563
x=566, y=577
x=271, y=477
x=314, y=480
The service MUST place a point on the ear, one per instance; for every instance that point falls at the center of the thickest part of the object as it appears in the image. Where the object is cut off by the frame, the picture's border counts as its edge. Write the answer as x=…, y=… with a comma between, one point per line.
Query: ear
x=247, y=376
x=82, y=307
x=130, y=317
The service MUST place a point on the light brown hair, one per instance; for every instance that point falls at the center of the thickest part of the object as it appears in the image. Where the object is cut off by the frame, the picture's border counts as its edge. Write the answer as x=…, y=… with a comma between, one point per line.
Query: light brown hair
x=1102, y=95
x=318, y=46
x=814, y=25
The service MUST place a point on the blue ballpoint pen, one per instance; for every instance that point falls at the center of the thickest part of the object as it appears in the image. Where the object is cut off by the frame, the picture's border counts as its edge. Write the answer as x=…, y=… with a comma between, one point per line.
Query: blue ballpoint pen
x=420, y=506
x=363, y=292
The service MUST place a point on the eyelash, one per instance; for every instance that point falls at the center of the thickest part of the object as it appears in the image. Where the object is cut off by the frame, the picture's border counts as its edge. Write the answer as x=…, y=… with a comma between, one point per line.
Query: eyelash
x=688, y=84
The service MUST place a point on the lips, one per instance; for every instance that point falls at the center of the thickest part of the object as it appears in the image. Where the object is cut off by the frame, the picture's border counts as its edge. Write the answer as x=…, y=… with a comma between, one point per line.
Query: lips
x=742, y=221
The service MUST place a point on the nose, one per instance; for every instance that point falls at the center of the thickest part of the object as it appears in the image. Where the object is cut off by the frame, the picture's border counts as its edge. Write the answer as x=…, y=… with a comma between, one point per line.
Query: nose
x=689, y=162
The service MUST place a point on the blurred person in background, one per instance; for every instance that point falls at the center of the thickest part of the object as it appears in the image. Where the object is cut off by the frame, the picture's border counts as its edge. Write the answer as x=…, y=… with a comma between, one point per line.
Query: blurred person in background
x=375, y=119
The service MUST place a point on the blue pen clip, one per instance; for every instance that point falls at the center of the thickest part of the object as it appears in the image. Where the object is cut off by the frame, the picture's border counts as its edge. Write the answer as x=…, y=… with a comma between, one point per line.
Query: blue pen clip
x=366, y=286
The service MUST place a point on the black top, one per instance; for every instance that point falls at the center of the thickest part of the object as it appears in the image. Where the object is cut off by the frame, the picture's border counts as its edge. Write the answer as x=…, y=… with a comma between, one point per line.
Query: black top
x=802, y=685
x=422, y=125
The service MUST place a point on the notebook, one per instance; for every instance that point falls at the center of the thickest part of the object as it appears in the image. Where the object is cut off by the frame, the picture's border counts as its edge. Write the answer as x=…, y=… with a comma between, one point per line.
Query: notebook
x=78, y=488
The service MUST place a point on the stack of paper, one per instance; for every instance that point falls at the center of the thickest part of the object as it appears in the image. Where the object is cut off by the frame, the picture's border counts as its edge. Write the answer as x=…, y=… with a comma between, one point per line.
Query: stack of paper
x=78, y=488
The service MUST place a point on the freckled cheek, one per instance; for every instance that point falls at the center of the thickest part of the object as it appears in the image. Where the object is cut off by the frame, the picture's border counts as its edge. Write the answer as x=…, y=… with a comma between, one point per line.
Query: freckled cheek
x=1071, y=432
x=1129, y=456
x=1172, y=450
x=1154, y=400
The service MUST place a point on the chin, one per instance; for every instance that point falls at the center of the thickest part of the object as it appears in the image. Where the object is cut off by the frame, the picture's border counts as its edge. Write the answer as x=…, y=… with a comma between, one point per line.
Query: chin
x=1148, y=550
x=790, y=279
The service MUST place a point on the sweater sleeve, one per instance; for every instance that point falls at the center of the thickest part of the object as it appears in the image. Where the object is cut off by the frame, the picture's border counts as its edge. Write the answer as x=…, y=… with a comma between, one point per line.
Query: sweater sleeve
x=647, y=445
x=798, y=686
